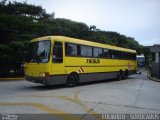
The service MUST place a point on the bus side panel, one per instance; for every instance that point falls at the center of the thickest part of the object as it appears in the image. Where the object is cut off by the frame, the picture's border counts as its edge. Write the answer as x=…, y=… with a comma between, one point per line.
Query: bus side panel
x=105, y=69
x=96, y=76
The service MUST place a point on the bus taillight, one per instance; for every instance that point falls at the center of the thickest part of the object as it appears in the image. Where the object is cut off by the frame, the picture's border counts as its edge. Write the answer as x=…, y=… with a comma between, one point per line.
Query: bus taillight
x=46, y=74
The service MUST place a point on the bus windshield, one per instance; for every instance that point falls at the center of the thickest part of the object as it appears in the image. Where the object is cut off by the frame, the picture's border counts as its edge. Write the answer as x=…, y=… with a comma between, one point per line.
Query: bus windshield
x=39, y=51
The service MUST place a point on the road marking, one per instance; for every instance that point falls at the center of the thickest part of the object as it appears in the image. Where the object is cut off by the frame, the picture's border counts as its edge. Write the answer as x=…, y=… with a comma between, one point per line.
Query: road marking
x=59, y=113
x=75, y=100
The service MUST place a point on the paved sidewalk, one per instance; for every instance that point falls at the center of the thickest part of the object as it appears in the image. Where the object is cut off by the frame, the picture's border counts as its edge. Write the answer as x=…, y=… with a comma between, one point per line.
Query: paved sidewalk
x=154, y=78
x=11, y=79
x=146, y=72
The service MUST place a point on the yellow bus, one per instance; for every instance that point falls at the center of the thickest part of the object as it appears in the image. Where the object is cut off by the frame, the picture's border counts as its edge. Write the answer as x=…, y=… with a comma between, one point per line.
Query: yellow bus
x=64, y=60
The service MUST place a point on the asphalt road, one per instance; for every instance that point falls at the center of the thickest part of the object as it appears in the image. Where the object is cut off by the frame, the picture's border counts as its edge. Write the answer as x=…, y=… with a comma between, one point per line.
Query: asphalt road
x=134, y=95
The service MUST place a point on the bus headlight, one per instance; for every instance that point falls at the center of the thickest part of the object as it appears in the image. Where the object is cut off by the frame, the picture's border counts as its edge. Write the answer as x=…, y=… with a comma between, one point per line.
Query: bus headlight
x=42, y=74
x=46, y=74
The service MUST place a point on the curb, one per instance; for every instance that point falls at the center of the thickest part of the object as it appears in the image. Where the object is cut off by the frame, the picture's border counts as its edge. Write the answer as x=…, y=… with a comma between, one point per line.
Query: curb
x=153, y=78
x=11, y=79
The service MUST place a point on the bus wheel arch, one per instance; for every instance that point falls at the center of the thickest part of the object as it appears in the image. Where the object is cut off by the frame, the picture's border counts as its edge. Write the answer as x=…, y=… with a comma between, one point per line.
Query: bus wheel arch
x=72, y=79
x=120, y=75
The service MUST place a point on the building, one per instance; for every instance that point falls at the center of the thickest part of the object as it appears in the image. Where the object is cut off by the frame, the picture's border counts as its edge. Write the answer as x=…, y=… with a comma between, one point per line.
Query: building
x=155, y=62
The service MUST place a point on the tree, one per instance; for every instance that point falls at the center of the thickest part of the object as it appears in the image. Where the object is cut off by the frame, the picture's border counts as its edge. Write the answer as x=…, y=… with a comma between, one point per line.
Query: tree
x=17, y=27
x=20, y=22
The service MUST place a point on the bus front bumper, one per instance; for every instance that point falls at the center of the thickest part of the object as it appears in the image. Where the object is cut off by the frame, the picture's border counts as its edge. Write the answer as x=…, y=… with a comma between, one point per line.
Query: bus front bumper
x=51, y=80
x=42, y=80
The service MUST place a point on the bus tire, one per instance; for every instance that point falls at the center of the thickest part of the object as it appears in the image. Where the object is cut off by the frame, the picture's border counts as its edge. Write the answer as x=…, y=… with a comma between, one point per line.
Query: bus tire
x=120, y=75
x=125, y=76
x=72, y=80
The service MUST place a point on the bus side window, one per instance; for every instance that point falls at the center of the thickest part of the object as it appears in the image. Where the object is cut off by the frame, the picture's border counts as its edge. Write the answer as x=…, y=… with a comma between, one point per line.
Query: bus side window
x=97, y=52
x=105, y=53
x=86, y=51
x=57, y=52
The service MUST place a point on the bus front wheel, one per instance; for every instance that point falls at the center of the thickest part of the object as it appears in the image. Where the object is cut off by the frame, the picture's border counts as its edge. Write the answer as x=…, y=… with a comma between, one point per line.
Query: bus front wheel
x=72, y=80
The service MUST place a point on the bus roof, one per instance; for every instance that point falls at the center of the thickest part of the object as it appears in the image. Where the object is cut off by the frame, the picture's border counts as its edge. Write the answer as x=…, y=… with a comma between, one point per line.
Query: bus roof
x=82, y=42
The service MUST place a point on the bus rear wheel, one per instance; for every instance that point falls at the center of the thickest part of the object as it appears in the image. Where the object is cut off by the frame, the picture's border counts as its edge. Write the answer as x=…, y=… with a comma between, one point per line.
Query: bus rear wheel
x=125, y=76
x=72, y=80
x=120, y=75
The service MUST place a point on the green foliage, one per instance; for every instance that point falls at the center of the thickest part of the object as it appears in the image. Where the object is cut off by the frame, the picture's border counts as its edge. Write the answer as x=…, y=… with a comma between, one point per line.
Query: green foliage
x=20, y=22
x=147, y=55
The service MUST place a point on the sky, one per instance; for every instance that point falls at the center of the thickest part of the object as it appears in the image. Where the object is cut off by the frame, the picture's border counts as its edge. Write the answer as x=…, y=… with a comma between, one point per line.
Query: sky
x=139, y=19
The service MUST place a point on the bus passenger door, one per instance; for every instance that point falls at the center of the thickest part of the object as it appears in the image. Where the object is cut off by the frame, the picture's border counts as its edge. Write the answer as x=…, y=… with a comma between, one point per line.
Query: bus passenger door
x=57, y=58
